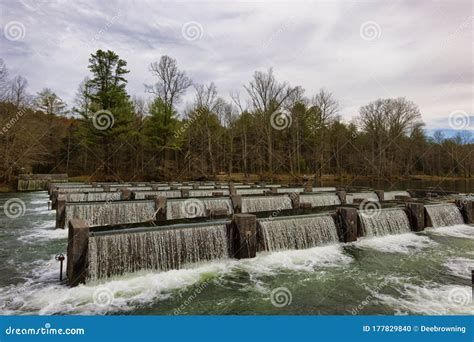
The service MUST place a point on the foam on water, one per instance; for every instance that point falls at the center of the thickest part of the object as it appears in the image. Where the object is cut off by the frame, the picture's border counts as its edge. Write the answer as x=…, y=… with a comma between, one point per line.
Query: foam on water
x=431, y=299
x=460, y=267
x=45, y=231
x=459, y=231
x=304, y=260
x=399, y=243
x=41, y=201
x=42, y=294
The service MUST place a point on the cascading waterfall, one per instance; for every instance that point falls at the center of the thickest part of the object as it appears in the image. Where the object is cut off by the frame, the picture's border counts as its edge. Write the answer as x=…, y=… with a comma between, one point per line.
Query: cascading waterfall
x=384, y=222
x=32, y=184
x=327, y=188
x=369, y=196
x=111, y=213
x=80, y=189
x=206, y=187
x=132, y=188
x=90, y=196
x=289, y=190
x=267, y=203
x=194, y=207
x=442, y=215
x=250, y=191
x=207, y=193
x=159, y=249
x=168, y=194
x=390, y=195
x=298, y=232
x=318, y=200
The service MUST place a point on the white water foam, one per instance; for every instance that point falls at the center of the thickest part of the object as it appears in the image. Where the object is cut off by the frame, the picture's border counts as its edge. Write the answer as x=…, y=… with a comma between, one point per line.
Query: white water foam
x=399, y=243
x=44, y=231
x=460, y=230
x=304, y=260
x=431, y=299
x=40, y=201
x=43, y=295
x=460, y=267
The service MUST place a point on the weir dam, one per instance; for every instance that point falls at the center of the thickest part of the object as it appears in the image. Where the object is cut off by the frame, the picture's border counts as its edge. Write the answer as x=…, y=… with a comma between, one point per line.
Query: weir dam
x=118, y=228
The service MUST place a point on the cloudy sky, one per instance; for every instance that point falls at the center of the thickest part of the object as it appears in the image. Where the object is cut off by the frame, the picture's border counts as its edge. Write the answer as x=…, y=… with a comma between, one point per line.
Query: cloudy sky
x=359, y=50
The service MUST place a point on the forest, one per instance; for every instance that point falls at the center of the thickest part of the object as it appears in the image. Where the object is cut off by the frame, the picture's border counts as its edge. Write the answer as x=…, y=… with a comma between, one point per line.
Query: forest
x=267, y=128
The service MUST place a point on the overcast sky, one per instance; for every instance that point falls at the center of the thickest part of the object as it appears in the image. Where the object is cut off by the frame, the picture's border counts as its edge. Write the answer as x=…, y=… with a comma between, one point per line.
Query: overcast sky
x=359, y=50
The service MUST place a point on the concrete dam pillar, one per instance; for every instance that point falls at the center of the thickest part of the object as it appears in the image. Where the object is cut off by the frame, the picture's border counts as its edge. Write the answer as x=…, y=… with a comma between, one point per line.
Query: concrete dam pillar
x=244, y=236
x=342, y=196
x=126, y=194
x=61, y=214
x=77, y=252
x=160, y=209
x=236, y=203
x=184, y=193
x=348, y=223
x=467, y=210
x=295, y=200
x=380, y=195
x=416, y=214
x=232, y=189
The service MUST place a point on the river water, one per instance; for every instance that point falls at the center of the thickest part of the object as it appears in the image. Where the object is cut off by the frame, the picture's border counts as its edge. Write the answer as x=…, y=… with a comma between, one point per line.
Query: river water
x=423, y=273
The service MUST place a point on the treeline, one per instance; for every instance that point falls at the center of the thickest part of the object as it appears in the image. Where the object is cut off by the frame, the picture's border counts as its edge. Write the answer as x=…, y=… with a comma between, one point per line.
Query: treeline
x=268, y=128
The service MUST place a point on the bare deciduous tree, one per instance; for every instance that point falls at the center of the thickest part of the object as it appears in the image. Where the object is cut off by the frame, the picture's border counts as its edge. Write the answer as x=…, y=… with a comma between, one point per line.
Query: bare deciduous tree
x=172, y=83
x=18, y=94
x=267, y=96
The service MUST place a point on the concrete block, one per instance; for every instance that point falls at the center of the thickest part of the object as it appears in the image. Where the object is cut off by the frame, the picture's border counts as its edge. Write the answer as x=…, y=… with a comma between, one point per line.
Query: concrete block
x=236, y=203
x=160, y=209
x=342, y=196
x=184, y=193
x=126, y=194
x=347, y=218
x=244, y=236
x=466, y=207
x=61, y=214
x=77, y=252
x=380, y=194
x=416, y=215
